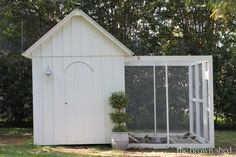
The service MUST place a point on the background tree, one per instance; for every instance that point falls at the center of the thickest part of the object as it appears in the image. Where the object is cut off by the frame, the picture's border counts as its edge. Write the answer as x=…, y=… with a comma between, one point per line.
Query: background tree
x=154, y=27
x=15, y=91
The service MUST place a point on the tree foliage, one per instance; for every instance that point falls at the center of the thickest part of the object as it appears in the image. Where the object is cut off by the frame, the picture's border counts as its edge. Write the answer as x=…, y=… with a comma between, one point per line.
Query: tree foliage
x=154, y=27
x=15, y=91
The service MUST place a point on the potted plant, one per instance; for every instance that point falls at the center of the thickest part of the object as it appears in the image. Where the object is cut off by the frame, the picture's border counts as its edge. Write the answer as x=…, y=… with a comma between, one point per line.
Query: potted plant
x=120, y=138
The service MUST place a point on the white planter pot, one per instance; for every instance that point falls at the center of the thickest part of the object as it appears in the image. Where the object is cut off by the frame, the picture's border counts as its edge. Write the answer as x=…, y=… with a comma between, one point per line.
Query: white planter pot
x=120, y=140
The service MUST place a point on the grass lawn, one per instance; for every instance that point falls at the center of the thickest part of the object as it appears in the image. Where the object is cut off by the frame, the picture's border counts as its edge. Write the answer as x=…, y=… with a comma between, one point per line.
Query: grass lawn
x=17, y=142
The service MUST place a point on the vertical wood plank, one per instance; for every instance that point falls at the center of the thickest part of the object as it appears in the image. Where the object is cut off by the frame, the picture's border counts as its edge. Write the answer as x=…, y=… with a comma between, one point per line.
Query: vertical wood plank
x=37, y=102
x=98, y=101
x=107, y=90
x=76, y=36
x=92, y=50
x=57, y=43
x=106, y=45
x=47, y=47
x=48, y=103
x=97, y=42
x=67, y=38
x=37, y=52
x=68, y=108
x=118, y=70
x=59, y=103
x=86, y=41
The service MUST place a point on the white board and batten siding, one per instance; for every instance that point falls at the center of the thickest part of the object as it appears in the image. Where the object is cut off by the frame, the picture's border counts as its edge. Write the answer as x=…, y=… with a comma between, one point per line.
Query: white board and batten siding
x=71, y=106
x=87, y=65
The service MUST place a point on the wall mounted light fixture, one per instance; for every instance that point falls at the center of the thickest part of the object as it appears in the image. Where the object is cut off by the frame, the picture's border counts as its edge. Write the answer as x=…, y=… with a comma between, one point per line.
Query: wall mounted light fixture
x=48, y=72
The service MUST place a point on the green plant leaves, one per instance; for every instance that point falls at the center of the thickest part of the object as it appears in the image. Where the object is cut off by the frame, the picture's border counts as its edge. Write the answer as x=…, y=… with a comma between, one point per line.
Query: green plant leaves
x=119, y=117
x=119, y=100
x=120, y=128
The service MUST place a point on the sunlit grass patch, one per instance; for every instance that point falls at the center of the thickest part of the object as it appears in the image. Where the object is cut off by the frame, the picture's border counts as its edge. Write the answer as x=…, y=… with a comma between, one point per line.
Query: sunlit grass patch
x=17, y=142
x=226, y=139
x=15, y=131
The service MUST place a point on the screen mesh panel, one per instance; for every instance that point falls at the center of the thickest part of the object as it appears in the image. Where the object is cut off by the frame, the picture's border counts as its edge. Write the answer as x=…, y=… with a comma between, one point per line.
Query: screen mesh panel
x=200, y=81
x=139, y=86
x=208, y=126
x=160, y=99
x=201, y=120
x=178, y=87
x=143, y=79
x=193, y=81
x=194, y=118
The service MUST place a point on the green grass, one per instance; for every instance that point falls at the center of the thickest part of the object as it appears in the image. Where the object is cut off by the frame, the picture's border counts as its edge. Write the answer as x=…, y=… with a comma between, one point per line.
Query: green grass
x=225, y=139
x=14, y=131
x=17, y=142
x=28, y=150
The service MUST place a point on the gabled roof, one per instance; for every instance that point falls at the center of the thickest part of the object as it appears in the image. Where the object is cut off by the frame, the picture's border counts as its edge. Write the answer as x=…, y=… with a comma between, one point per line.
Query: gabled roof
x=76, y=12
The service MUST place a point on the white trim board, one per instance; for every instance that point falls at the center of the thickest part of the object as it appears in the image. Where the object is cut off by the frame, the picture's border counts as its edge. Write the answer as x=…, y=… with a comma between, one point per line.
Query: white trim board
x=197, y=59
x=166, y=146
x=165, y=60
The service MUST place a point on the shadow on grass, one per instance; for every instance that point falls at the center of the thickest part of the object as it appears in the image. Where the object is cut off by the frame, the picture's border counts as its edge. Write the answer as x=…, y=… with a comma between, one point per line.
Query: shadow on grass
x=15, y=131
x=224, y=139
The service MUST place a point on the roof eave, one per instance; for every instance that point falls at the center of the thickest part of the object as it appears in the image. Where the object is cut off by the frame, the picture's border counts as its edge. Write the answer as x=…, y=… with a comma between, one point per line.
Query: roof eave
x=76, y=12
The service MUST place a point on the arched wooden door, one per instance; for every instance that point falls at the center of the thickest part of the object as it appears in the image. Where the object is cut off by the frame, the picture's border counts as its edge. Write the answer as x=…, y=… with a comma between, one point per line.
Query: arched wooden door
x=79, y=103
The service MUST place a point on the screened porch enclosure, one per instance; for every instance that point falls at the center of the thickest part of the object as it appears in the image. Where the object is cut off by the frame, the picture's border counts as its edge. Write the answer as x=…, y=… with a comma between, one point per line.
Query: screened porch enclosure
x=170, y=101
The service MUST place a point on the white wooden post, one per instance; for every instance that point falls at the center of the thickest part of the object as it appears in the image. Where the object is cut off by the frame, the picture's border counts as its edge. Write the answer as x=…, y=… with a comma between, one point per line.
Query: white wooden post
x=197, y=100
x=190, y=100
x=211, y=102
x=205, y=95
x=167, y=105
x=154, y=95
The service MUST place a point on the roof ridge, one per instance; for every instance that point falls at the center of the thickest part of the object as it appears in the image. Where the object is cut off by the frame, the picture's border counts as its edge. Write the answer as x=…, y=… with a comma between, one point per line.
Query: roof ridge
x=76, y=12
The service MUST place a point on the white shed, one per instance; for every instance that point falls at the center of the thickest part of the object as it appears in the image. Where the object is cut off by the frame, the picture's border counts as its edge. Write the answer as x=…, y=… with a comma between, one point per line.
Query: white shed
x=87, y=64
x=78, y=64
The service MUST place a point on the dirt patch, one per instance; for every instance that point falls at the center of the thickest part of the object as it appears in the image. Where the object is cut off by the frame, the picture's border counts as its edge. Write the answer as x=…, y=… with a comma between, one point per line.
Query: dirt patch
x=16, y=137
x=13, y=140
x=132, y=153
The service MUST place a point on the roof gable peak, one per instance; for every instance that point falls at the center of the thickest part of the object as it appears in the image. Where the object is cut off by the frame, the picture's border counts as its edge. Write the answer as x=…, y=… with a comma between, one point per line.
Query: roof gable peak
x=76, y=12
